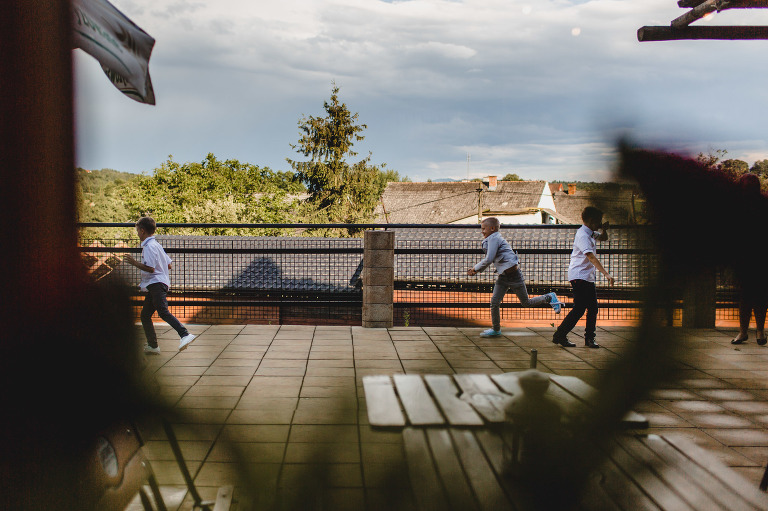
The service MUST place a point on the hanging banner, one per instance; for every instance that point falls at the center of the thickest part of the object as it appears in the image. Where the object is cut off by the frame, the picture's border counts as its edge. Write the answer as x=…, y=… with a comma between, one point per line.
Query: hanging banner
x=120, y=46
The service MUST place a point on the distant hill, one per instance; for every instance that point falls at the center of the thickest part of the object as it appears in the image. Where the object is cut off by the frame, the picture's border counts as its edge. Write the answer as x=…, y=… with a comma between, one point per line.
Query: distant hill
x=98, y=198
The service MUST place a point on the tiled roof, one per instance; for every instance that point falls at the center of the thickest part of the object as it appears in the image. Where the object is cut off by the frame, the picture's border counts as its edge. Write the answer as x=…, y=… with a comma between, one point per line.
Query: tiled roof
x=441, y=203
x=513, y=196
x=428, y=203
x=617, y=208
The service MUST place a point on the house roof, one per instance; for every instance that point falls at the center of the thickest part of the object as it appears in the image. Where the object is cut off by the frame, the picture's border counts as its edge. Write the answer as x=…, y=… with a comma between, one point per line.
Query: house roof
x=513, y=196
x=437, y=203
x=428, y=203
x=617, y=208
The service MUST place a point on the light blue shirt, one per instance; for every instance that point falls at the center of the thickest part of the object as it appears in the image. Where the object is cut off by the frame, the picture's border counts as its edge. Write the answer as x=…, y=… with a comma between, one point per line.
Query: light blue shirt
x=152, y=254
x=580, y=267
x=498, y=252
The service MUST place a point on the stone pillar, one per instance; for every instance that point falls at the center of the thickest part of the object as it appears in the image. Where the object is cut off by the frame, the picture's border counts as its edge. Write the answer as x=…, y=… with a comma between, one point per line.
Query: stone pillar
x=378, y=278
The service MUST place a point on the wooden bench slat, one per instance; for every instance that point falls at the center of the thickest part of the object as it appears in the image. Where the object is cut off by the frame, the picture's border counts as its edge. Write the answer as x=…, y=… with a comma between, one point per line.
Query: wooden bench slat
x=382, y=403
x=477, y=388
x=517, y=492
x=622, y=489
x=426, y=485
x=448, y=465
x=481, y=476
x=594, y=496
x=508, y=382
x=740, y=486
x=418, y=404
x=224, y=498
x=695, y=486
x=458, y=412
x=648, y=481
x=476, y=383
x=710, y=484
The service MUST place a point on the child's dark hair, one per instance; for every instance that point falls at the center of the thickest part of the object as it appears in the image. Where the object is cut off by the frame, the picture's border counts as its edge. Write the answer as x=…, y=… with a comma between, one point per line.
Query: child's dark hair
x=591, y=213
x=147, y=223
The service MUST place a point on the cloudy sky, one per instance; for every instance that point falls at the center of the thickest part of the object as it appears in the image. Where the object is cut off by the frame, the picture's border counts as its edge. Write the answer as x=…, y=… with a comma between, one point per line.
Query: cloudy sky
x=540, y=88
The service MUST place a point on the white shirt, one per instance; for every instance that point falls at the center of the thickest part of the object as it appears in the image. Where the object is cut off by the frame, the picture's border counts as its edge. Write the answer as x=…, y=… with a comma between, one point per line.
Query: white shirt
x=580, y=267
x=153, y=255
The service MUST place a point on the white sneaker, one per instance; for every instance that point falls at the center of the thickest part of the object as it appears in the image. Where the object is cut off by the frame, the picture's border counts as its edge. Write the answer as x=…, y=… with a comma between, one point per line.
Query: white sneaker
x=186, y=341
x=490, y=333
x=150, y=349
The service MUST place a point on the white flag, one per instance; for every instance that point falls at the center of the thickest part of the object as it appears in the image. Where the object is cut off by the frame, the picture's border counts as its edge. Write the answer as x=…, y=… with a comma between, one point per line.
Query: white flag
x=121, y=47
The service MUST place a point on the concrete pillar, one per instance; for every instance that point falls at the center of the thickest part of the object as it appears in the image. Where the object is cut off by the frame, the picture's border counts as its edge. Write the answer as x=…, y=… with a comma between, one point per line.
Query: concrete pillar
x=378, y=278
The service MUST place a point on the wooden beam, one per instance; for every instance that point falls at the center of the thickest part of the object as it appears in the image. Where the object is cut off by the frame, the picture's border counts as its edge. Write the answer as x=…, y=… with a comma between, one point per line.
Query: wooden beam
x=735, y=4
x=645, y=34
x=698, y=12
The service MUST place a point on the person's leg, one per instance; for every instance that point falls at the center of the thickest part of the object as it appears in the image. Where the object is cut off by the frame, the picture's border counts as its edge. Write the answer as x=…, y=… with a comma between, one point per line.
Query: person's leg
x=519, y=288
x=159, y=292
x=499, y=290
x=590, y=297
x=746, y=304
x=760, y=306
x=146, y=321
x=573, y=317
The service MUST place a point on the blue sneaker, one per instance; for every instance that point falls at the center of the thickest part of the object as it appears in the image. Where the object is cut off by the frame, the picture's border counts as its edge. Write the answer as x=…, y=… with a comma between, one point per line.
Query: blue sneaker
x=490, y=333
x=554, y=302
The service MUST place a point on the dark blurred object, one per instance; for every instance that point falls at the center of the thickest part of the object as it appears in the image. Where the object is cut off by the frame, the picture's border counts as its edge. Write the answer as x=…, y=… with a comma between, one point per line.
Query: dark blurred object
x=68, y=362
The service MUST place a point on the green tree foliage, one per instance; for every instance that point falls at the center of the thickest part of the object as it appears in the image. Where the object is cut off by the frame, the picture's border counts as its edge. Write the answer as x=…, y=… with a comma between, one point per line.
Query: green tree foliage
x=511, y=177
x=213, y=191
x=734, y=168
x=338, y=191
x=98, y=200
x=760, y=168
x=711, y=159
x=393, y=176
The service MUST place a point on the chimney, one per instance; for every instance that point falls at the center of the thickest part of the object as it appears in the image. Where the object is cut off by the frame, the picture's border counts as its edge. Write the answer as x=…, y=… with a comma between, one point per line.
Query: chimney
x=571, y=188
x=492, y=182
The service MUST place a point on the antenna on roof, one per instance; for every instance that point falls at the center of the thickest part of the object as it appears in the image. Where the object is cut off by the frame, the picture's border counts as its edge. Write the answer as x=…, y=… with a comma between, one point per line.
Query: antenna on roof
x=467, y=166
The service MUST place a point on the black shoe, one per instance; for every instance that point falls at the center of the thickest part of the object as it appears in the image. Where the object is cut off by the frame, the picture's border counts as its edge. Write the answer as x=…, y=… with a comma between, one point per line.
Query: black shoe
x=562, y=341
x=761, y=342
x=740, y=341
x=590, y=343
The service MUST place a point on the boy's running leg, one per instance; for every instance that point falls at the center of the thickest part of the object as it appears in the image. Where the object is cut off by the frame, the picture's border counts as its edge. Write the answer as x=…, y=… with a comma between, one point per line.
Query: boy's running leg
x=573, y=317
x=149, y=329
x=159, y=293
x=590, y=293
x=499, y=290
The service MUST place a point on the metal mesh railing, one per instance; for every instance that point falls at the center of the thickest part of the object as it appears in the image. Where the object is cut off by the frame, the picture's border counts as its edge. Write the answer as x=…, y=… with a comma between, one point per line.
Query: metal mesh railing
x=306, y=280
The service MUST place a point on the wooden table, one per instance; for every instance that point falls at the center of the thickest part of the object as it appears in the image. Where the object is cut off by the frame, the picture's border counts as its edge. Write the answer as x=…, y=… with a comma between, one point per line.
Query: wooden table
x=466, y=400
x=456, y=459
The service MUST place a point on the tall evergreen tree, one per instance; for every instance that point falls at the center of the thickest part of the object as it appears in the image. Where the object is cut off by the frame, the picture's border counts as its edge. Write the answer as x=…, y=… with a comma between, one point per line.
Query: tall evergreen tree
x=339, y=191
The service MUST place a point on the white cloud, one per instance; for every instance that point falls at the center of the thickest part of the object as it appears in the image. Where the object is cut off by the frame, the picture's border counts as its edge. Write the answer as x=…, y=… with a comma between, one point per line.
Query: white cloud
x=506, y=80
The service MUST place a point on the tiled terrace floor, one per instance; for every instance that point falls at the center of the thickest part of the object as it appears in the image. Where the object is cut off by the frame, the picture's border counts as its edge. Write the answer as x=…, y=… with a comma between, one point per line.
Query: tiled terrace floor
x=280, y=397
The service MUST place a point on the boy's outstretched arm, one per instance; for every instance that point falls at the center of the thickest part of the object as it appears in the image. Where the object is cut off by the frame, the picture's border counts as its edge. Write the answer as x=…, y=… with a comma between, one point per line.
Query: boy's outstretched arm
x=604, y=235
x=133, y=262
x=594, y=260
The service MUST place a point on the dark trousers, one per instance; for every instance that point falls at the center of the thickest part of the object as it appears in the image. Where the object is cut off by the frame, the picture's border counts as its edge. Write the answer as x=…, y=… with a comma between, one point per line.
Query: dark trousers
x=584, y=299
x=156, y=300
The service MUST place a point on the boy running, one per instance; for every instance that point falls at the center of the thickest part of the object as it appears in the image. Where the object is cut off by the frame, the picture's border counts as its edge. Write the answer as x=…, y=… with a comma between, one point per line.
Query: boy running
x=581, y=274
x=498, y=252
x=155, y=281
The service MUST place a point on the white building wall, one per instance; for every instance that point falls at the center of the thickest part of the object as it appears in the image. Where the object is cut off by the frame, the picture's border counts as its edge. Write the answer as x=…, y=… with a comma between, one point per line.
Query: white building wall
x=547, y=201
